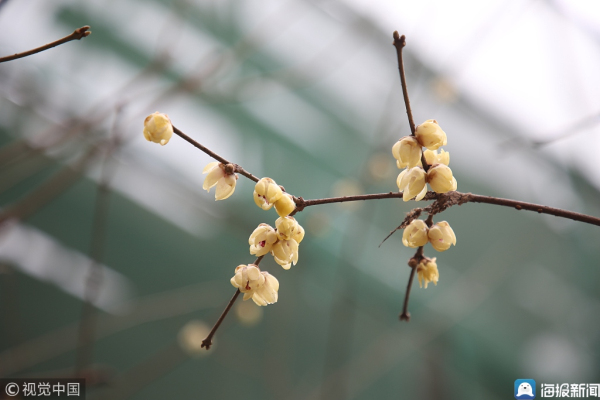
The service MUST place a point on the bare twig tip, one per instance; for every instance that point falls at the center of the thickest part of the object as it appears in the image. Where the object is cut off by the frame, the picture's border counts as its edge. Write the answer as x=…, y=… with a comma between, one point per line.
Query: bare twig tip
x=82, y=32
x=206, y=344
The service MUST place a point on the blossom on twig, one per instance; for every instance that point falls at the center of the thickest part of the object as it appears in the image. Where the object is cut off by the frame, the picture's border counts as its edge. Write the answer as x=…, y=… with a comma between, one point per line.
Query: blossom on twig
x=285, y=205
x=217, y=175
x=158, y=128
x=262, y=239
x=412, y=183
x=415, y=234
x=441, y=236
x=407, y=152
x=266, y=193
x=440, y=179
x=430, y=135
x=427, y=271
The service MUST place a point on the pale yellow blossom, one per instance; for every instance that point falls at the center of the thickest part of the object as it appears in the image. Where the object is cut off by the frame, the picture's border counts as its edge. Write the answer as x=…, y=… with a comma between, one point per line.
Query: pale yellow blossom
x=267, y=293
x=430, y=135
x=407, y=152
x=217, y=176
x=441, y=236
x=266, y=193
x=440, y=179
x=432, y=157
x=427, y=271
x=247, y=279
x=415, y=234
x=412, y=183
x=262, y=239
x=285, y=205
x=158, y=128
x=285, y=252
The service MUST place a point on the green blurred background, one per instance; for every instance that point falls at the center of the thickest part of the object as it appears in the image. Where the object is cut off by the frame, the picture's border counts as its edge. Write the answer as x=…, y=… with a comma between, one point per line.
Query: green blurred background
x=306, y=92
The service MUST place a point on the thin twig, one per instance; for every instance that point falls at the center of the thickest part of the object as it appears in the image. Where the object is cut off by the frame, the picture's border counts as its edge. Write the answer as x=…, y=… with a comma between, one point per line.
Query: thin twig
x=76, y=35
x=412, y=263
x=208, y=341
x=399, y=43
x=214, y=155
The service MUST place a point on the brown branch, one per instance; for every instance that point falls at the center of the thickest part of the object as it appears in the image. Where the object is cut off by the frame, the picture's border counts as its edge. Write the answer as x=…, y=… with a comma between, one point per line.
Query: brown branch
x=76, y=35
x=521, y=205
x=214, y=155
x=208, y=341
x=445, y=200
x=399, y=43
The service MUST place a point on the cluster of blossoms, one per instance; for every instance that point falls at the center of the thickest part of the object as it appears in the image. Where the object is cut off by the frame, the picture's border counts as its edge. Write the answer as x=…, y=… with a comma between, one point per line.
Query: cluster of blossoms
x=413, y=182
x=414, y=179
x=440, y=235
x=282, y=242
x=267, y=193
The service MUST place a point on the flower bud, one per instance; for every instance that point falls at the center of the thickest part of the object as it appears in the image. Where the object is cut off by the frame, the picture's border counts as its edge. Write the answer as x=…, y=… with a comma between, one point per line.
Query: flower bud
x=407, y=152
x=287, y=227
x=262, y=239
x=440, y=179
x=285, y=252
x=216, y=176
x=285, y=205
x=432, y=157
x=412, y=183
x=267, y=293
x=415, y=234
x=158, y=128
x=266, y=193
x=427, y=271
x=441, y=236
x=248, y=279
x=430, y=135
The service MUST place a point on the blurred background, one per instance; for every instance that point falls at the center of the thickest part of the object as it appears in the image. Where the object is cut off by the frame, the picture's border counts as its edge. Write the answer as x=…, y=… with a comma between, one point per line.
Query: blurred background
x=306, y=92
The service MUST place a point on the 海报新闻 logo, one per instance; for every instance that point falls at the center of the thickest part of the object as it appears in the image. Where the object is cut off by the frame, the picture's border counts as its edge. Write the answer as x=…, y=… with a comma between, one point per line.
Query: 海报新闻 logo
x=524, y=389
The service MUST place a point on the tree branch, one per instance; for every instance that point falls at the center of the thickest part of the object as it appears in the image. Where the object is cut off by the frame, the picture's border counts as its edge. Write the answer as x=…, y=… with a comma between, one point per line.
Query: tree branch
x=445, y=200
x=214, y=155
x=76, y=35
